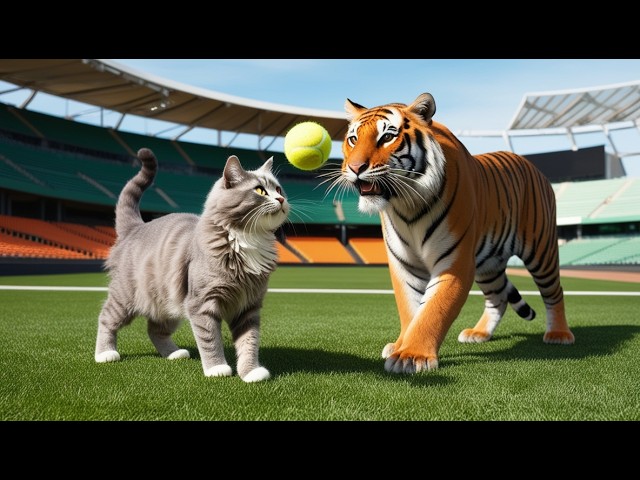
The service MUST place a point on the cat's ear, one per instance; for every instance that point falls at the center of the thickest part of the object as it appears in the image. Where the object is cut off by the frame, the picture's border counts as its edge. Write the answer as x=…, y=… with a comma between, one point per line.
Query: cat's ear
x=266, y=167
x=233, y=172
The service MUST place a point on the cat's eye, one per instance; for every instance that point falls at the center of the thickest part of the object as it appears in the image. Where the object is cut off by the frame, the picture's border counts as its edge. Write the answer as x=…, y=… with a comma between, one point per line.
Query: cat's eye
x=352, y=140
x=279, y=190
x=260, y=190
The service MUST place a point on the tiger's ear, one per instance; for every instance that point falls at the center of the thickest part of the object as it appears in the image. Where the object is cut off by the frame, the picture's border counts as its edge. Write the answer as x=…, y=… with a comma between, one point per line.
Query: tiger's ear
x=233, y=172
x=353, y=109
x=425, y=106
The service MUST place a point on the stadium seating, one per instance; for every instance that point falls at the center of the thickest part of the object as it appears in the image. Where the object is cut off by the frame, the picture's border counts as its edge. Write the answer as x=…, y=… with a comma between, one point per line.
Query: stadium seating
x=52, y=234
x=12, y=120
x=617, y=249
x=580, y=199
x=370, y=250
x=72, y=133
x=66, y=160
x=15, y=246
x=321, y=250
x=624, y=203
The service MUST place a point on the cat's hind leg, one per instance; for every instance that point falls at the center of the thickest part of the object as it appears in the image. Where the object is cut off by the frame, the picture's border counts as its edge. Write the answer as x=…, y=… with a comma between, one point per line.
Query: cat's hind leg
x=113, y=316
x=160, y=334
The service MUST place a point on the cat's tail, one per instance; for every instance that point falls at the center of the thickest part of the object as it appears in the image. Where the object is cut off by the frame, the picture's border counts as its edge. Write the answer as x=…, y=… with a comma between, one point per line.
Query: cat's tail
x=128, y=206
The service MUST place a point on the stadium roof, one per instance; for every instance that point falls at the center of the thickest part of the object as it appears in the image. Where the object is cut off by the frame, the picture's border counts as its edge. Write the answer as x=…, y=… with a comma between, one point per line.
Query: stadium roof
x=110, y=85
x=579, y=107
x=115, y=87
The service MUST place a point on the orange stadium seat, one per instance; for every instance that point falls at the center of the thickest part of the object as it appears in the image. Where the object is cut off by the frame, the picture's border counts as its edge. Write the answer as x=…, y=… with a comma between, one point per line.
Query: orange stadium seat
x=54, y=235
x=371, y=250
x=285, y=255
x=88, y=232
x=321, y=249
x=11, y=246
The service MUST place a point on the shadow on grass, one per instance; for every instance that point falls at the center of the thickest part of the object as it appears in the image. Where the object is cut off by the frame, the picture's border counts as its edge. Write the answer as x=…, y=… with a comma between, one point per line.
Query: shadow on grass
x=286, y=360
x=590, y=342
x=282, y=361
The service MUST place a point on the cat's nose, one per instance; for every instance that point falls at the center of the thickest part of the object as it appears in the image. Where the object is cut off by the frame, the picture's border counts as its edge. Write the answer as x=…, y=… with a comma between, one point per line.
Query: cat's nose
x=280, y=199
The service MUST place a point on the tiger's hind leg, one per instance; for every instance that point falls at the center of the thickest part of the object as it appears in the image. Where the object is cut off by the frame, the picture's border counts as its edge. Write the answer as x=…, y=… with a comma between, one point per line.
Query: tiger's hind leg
x=546, y=276
x=160, y=334
x=557, y=330
x=498, y=293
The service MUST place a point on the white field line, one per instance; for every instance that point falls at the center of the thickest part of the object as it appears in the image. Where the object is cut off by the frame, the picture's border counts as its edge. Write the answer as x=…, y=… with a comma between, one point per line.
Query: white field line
x=313, y=290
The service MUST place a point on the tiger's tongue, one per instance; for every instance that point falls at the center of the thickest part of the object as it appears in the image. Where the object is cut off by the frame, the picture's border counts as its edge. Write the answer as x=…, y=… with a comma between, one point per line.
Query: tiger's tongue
x=366, y=187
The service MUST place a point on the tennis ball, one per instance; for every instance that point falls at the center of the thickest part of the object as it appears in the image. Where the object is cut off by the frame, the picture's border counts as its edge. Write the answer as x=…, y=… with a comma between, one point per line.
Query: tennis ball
x=307, y=146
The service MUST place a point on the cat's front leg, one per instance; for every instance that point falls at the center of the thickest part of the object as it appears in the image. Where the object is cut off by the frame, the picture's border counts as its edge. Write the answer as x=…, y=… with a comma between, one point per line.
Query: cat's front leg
x=207, y=330
x=245, y=331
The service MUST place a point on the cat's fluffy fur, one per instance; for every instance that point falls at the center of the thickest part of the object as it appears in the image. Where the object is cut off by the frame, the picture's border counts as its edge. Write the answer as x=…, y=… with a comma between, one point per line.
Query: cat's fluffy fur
x=208, y=268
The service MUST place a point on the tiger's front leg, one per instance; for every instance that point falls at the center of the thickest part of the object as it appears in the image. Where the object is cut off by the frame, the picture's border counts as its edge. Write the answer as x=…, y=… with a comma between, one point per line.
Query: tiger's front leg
x=423, y=326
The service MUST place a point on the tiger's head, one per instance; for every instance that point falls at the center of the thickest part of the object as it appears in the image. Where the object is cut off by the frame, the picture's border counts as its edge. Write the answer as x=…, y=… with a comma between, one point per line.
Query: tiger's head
x=390, y=154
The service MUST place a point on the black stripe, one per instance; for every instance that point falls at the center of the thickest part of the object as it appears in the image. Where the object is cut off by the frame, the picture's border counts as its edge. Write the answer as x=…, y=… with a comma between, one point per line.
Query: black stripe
x=498, y=291
x=454, y=246
x=492, y=279
x=444, y=213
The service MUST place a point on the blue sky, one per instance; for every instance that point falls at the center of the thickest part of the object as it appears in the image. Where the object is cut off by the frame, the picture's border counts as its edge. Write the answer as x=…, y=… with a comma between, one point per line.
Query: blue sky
x=473, y=94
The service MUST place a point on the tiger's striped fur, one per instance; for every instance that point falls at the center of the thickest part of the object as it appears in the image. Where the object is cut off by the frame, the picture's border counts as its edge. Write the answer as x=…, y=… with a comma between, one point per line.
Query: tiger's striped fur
x=449, y=218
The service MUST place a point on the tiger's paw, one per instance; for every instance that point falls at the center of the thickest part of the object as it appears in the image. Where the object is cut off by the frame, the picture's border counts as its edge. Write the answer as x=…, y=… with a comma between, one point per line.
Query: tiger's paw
x=410, y=365
x=471, y=335
x=108, y=356
x=180, y=353
x=560, y=337
x=388, y=350
x=222, y=370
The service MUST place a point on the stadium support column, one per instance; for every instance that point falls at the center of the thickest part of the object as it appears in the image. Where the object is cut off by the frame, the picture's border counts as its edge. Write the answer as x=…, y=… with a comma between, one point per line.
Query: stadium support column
x=343, y=234
x=337, y=208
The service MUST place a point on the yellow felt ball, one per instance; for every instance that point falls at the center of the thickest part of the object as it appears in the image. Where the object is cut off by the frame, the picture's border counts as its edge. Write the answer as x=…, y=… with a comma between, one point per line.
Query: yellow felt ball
x=307, y=145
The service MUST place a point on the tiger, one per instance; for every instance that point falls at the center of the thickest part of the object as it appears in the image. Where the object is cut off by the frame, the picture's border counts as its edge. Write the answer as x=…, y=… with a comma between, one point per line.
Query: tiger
x=450, y=218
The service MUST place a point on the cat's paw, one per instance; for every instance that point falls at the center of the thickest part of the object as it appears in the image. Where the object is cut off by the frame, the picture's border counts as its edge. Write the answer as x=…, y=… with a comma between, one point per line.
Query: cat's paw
x=182, y=353
x=222, y=370
x=257, y=375
x=108, y=356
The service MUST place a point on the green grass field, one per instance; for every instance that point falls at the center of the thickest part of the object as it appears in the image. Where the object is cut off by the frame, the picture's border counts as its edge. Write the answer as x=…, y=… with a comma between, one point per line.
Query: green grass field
x=323, y=351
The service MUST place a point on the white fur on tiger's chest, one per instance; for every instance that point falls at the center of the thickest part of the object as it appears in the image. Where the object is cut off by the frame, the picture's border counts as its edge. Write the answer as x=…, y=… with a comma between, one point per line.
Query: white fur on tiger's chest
x=407, y=240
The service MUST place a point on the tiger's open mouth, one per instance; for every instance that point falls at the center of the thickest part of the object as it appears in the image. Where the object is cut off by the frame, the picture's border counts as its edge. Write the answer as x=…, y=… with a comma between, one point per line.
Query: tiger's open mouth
x=366, y=188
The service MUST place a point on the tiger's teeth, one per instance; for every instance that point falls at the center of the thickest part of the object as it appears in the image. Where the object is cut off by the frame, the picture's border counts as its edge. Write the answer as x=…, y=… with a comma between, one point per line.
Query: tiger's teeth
x=366, y=187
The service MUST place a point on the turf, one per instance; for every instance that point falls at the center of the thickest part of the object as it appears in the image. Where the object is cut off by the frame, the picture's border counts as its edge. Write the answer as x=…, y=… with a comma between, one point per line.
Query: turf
x=323, y=351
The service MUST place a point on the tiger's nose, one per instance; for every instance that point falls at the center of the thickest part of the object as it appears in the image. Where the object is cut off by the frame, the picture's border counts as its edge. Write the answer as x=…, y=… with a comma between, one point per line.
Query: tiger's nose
x=358, y=167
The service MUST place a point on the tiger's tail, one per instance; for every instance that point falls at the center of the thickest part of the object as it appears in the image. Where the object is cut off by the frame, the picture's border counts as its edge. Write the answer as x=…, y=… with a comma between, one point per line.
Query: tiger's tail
x=516, y=301
x=128, y=206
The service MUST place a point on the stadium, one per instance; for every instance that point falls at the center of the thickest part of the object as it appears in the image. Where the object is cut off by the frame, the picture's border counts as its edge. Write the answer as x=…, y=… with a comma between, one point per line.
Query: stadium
x=60, y=179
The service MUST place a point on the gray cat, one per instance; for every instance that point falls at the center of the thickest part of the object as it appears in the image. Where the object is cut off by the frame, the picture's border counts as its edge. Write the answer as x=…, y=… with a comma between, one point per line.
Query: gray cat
x=206, y=268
